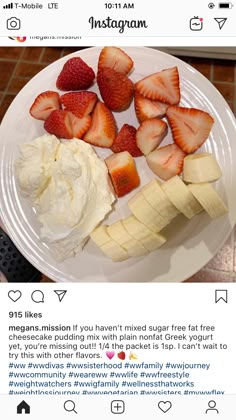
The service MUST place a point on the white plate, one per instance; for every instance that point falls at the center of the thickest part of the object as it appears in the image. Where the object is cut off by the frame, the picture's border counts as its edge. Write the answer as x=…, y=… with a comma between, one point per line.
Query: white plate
x=191, y=244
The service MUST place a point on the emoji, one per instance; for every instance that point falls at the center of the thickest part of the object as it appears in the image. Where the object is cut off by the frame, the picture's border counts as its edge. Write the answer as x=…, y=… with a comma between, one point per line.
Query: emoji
x=110, y=354
x=121, y=355
x=133, y=356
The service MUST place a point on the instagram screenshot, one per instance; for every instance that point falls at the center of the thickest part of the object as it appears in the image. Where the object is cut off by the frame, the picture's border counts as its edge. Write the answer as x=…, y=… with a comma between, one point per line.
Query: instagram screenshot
x=117, y=210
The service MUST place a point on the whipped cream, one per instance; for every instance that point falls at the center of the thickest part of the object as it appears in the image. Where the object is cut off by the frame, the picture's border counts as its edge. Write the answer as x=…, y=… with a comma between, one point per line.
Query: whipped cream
x=68, y=186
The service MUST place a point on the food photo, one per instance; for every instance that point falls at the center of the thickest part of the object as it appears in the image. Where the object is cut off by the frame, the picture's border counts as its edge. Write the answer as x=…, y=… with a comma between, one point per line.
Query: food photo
x=117, y=165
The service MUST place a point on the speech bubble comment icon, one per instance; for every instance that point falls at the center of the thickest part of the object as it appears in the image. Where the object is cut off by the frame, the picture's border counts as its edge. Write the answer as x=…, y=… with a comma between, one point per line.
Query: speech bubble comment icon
x=37, y=296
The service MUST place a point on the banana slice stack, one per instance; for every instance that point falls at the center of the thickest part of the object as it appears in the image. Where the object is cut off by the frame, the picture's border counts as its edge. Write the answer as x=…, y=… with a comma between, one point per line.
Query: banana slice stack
x=156, y=205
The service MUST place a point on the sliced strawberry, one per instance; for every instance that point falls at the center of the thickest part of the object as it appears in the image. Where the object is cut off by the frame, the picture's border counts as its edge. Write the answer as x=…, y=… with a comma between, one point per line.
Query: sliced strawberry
x=166, y=161
x=59, y=124
x=75, y=75
x=150, y=134
x=146, y=108
x=102, y=131
x=116, y=59
x=123, y=172
x=126, y=140
x=80, y=103
x=116, y=89
x=44, y=104
x=80, y=126
x=162, y=86
x=190, y=127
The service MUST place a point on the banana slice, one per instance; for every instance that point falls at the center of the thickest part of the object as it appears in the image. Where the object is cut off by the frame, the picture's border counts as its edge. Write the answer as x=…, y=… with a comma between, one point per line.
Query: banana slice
x=209, y=199
x=155, y=195
x=140, y=232
x=100, y=235
x=201, y=167
x=113, y=250
x=182, y=198
x=145, y=213
x=109, y=247
x=118, y=233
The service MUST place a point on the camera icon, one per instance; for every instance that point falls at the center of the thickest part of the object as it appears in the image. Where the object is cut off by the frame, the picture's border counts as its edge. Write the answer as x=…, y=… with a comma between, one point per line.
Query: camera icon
x=13, y=24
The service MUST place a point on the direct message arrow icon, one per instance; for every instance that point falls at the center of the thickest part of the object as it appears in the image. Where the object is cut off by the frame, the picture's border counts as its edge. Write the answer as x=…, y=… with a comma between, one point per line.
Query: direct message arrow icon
x=60, y=294
x=221, y=22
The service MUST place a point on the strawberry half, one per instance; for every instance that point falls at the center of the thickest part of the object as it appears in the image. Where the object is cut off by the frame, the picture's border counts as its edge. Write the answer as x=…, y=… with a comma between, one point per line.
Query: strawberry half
x=102, y=131
x=75, y=75
x=116, y=59
x=80, y=125
x=190, y=127
x=116, y=89
x=162, y=86
x=123, y=172
x=44, y=104
x=64, y=124
x=126, y=141
x=166, y=161
x=150, y=134
x=59, y=124
x=80, y=103
x=146, y=108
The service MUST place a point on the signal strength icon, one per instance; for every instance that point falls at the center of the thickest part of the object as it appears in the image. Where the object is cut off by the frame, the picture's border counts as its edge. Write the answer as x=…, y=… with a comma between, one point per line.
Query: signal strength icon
x=8, y=6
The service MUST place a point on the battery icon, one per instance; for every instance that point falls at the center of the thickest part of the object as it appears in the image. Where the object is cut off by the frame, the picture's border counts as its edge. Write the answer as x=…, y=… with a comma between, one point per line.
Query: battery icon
x=225, y=5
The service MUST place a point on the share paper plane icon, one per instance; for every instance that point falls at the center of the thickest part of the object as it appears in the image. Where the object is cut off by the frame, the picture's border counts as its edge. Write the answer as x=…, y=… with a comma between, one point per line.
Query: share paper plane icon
x=60, y=294
x=221, y=22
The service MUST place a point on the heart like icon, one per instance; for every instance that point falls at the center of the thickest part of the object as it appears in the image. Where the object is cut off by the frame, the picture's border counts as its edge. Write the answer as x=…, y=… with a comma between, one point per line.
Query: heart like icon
x=110, y=354
x=164, y=406
x=14, y=295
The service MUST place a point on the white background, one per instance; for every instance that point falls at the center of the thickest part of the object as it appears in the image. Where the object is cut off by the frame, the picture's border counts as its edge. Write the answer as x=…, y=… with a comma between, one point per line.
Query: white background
x=168, y=23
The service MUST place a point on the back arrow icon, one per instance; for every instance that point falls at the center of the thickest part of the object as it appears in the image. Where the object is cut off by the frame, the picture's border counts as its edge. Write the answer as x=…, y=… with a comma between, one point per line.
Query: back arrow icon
x=221, y=22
